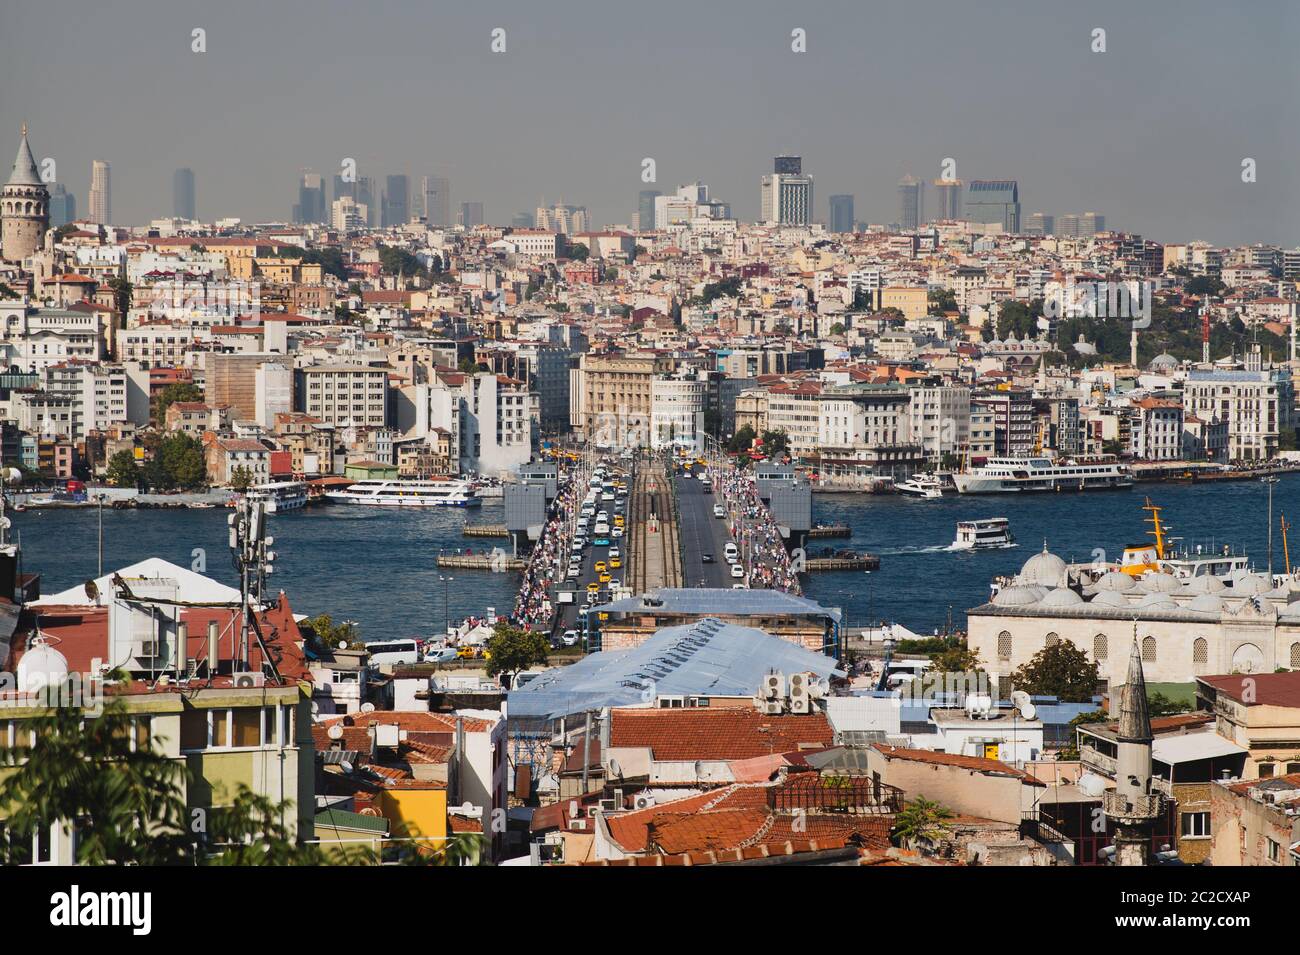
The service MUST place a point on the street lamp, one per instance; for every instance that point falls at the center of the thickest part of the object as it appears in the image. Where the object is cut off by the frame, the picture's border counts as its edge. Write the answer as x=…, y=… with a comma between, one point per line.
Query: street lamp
x=1270, y=481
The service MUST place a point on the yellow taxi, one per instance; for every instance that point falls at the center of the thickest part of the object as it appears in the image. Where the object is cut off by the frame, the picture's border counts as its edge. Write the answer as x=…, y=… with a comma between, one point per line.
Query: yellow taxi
x=593, y=587
x=615, y=563
x=600, y=566
x=604, y=579
x=619, y=520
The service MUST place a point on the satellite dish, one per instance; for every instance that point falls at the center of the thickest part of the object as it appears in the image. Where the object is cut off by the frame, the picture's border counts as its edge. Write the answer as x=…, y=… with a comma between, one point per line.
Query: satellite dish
x=345, y=766
x=335, y=731
x=367, y=707
x=1029, y=711
x=615, y=769
x=92, y=591
x=467, y=807
x=343, y=644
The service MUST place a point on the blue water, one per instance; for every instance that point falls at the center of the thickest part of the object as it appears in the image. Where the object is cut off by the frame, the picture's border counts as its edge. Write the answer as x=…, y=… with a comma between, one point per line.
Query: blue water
x=377, y=566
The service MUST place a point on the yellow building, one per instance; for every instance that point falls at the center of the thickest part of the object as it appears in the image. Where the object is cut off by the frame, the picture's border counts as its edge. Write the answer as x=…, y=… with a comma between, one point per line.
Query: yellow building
x=912, y=302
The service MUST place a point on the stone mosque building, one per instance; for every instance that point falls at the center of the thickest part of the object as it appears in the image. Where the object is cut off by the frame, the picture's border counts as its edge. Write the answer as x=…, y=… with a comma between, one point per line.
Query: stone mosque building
x=1185, y=627
x=24, y=207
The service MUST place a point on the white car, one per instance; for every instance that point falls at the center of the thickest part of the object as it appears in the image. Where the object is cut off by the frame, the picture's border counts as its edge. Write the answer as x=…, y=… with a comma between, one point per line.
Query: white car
x=615, y=553
x=737, y=571
x=616, y=533
x=719, y=510
x=732, y=553
x=570, y=638
x=574, y=571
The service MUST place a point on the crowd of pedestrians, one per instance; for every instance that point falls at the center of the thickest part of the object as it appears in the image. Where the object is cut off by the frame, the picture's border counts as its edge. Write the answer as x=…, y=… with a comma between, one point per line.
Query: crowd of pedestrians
x=533, y=607
x=755, y=531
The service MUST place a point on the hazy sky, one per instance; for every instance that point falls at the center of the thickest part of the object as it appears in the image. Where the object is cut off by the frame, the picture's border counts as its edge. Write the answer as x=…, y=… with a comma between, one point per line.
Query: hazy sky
x=1150, y=133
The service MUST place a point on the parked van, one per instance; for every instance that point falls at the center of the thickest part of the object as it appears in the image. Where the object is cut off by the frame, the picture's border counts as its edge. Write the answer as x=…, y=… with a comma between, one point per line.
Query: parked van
x=732, y=552
x=394, y=651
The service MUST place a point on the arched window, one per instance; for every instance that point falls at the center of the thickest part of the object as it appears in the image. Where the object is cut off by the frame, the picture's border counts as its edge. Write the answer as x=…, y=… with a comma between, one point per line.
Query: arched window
x=1100, y=647
x=1295, y=656
x=1149, y=650
x=1004, y=645
x=1200, y=652
x=1052, y=640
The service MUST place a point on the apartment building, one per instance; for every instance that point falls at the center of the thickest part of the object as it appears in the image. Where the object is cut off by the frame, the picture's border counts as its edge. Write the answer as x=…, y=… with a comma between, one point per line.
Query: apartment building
x=677, y=411
x=1013, y=420
x=32, y=338
x=939, y=420
x=98, y=395
x=1255, y=402
x=617, y=397
x=342, y=395
x=1156, y=429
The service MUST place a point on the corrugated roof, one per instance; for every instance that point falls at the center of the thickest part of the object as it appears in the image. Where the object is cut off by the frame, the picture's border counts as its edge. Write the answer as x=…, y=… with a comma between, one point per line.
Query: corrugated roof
x=706, y=658
x=704, y=600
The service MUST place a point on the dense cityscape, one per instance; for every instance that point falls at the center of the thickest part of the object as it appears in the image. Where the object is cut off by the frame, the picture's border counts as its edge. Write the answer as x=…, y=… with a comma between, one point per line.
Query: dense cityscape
x=633, y=429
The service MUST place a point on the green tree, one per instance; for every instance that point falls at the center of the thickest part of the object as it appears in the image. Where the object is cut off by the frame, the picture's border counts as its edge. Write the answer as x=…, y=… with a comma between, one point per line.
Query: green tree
x=1160, y=705
x=182, y=459
x=122, y=471
x=177, y=391
x=329, y=634
x=942, y=300
x=578, y=252
x=241, y=478
x=121, y=298
x=1015, y=318
x=512, y=649
x=837, y=328
x=776, y=443
x=741, y=440
x=126, y=801
x=921, y=823
x=1061, y=670
x=395, y=261
x=957, y=658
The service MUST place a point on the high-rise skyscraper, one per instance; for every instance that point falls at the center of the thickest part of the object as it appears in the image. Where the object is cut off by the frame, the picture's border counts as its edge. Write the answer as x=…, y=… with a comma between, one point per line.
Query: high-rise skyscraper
x=365, y=195
x=397, y=197
x=435, y=200
x=841, y=213
x=995, y=202
x=909, y=203
x=522, y=220
x=471, y=214
x=645, y=208
x=1090, y=223
x=788, y=165
x=183, y=200
x=948, y=198
x=310, y=209
x=24, y=207
x=786, y=195
x=63, y=206
x=344, y=188
x=101, y=200
x=1040, y=223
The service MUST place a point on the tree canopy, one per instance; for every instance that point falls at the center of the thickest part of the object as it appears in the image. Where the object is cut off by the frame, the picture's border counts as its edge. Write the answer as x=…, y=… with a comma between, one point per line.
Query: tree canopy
x=1061, y=670
x=512, y=649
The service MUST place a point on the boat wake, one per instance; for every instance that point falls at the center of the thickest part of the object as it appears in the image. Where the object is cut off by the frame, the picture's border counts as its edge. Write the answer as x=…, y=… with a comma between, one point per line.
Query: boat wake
x=953, y=548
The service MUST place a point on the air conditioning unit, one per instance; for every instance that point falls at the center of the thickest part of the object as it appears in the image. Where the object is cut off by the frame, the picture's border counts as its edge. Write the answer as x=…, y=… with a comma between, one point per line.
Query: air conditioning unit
x=644, y=801
x=578, y=825
x=247, y=680
x=774, y=686
x=774, y=707
x=609, y=805
x=146, y=649
x=800, y=702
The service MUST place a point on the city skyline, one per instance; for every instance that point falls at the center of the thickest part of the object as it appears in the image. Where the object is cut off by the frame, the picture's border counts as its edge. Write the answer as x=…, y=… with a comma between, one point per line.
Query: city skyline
x=1169, y=155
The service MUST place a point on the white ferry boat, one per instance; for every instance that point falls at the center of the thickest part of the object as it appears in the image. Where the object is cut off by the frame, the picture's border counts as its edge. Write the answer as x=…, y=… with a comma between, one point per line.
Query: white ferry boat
x=279, y=495
x=1009, y=475
x=920, y=485
x=400, y=493
x=983, y=534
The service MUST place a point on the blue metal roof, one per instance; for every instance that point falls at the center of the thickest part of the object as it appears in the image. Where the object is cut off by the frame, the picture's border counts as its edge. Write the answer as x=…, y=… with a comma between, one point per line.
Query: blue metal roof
x=705, y=658
x=707, y=600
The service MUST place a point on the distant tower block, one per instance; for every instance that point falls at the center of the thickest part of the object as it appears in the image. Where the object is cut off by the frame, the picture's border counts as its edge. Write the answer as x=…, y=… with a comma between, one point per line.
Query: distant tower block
x=24, y=207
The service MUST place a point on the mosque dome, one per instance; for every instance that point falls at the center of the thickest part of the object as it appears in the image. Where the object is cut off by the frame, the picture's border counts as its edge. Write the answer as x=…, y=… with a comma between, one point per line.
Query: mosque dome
x=1021, y=595
x=1207, y=603
x=1116, y=581
x=1061, y=597
x=1043, y=568
x=1111, y=598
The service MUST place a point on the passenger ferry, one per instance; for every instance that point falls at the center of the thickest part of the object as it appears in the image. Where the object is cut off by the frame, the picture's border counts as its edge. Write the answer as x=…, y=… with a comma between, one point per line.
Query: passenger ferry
x=1163, y=556
x=984, y=534
x=279, y=495
x=1009, y=475
x=920, y=485
x=401, y=493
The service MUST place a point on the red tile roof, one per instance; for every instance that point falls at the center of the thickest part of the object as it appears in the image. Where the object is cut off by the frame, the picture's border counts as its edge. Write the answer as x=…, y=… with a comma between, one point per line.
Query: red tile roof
x=1268, y=689
x=721, y=734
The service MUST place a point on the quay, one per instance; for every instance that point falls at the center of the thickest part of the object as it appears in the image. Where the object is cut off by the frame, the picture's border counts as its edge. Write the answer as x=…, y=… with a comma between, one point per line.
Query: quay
x=499, y=562
x=861, y=562
x=485, y=530
x=830, y=530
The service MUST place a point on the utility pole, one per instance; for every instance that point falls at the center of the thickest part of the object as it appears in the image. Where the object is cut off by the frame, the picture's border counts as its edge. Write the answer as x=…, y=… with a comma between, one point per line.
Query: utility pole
x=1270, y=481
